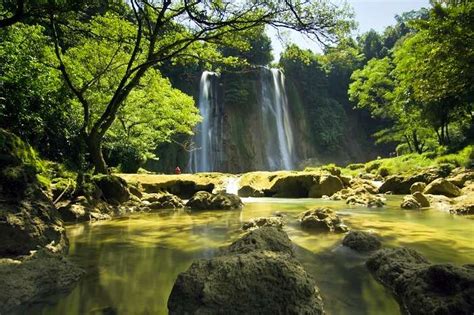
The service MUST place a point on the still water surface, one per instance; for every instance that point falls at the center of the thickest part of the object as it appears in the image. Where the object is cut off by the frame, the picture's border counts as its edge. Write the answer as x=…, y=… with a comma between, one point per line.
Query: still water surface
x=132, y=261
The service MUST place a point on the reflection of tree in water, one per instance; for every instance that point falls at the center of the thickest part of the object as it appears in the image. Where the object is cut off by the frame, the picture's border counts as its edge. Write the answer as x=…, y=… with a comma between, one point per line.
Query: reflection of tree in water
x=345, y=283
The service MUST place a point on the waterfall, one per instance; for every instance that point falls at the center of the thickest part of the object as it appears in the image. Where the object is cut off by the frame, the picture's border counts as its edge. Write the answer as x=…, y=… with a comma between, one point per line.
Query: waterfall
x=279, y=141
x=269, y=126
x=202, y=158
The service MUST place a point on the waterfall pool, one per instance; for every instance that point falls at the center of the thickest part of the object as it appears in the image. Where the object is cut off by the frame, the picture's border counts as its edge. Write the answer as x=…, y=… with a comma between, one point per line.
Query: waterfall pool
x=132, y=261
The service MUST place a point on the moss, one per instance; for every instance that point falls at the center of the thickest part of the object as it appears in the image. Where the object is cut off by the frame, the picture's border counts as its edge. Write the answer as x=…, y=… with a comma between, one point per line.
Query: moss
x=14, y=152
x=355, y=166
x=44, y=181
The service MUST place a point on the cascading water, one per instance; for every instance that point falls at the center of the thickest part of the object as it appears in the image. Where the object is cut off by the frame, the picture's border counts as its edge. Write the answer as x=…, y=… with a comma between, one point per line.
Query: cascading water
x=267, y=121
x=203, y=158
x=276, y=121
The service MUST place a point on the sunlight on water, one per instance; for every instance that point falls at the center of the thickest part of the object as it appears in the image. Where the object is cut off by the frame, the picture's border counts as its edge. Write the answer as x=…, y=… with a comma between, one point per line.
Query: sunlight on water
x=132, y=262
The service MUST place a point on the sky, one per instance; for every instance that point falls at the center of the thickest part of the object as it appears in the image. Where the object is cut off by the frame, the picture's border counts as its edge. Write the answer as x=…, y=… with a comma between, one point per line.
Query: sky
x=369, y=14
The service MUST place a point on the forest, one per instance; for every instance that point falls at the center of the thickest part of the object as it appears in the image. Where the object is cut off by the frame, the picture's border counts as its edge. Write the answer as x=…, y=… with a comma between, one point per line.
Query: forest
x=142, y=123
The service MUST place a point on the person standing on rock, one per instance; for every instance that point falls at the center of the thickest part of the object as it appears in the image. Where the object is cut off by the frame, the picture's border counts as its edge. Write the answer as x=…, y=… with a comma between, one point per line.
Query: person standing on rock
x=177, y=170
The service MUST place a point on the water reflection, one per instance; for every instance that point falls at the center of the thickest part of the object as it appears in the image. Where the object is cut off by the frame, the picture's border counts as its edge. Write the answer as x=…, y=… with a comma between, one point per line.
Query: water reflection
x=132, y=262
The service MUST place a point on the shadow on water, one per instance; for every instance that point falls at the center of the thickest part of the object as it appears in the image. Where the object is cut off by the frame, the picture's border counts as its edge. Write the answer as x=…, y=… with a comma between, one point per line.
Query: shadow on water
x=132, y=262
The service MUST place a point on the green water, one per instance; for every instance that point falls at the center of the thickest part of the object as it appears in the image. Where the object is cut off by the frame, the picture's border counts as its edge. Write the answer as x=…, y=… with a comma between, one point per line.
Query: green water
x=132, y=262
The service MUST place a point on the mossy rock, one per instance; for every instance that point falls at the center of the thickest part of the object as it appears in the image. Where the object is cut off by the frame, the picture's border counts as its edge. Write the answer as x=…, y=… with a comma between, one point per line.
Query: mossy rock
x=114, y=188
x=15, y=152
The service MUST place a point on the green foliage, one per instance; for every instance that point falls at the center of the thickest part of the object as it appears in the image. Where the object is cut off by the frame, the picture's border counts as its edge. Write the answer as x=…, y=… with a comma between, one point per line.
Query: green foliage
x=326, y=115
x=33, y=103
x=15, y=152
x=425, y=88
x=464, y=158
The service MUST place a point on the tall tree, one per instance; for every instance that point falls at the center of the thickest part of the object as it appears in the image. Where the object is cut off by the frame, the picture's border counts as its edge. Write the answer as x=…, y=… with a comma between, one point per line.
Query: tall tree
x=166, y=30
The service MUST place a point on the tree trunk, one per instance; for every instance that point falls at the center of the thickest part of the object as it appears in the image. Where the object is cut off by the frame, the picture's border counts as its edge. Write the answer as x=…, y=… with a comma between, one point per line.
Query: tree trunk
x=94, y=145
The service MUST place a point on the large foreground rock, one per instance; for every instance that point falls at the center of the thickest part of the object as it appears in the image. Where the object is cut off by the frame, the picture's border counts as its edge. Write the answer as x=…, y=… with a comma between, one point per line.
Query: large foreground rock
x=28, y=218
x=424, y=288
x=257, y=274
x=33, y=278
x=322, y=220
x=203, y=200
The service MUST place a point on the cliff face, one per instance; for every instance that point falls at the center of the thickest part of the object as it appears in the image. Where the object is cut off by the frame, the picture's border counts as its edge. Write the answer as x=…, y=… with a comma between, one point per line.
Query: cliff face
x=244, y=135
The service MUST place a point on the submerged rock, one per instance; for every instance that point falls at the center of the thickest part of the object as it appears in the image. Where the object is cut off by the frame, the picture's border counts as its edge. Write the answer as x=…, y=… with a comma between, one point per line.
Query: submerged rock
x=441, y=186
x=362, y=241
x=203, y=200
x=421, y=287
x=322, y=220
x=34, y=277
x=256, y=223
x=257, y=274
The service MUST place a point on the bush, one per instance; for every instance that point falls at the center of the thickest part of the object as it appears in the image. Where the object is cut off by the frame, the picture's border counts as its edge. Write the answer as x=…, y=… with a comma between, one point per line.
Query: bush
x=355, y=166
x=464, y=158
x=384, y=172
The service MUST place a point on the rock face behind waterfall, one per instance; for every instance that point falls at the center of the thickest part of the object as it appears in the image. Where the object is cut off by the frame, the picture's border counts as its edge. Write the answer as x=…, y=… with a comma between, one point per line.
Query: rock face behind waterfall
x=424, y=288
x=257, y=274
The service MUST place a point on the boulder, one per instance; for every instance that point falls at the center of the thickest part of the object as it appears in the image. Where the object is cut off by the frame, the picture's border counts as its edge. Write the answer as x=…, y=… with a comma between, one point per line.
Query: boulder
x=360, y=193
x=204, y=200
x=397, y=184
x=424, y=288
x=328, y=185
x=34, y=277
x=460, y=177
x=135, y=191
x=293, y=185
x=362, y=241
x=257, y=274
x=421, y=199
x=418, y=186
x=249, y=191
x=163, y=201
x=256, y=223
x=114, y=188
x=441, y=186
x=75, y=211
x=81, y=209
x=409, y=202
x=322, y=220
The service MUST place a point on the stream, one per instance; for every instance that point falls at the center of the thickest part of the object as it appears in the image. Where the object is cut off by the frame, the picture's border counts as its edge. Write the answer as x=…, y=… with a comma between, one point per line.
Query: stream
x=133, y=261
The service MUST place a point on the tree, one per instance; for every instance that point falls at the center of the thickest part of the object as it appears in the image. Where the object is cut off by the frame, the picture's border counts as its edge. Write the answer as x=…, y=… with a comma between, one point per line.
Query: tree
x=185, y=30
x=33, y=99
x=438, y=64
x=376, y=88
